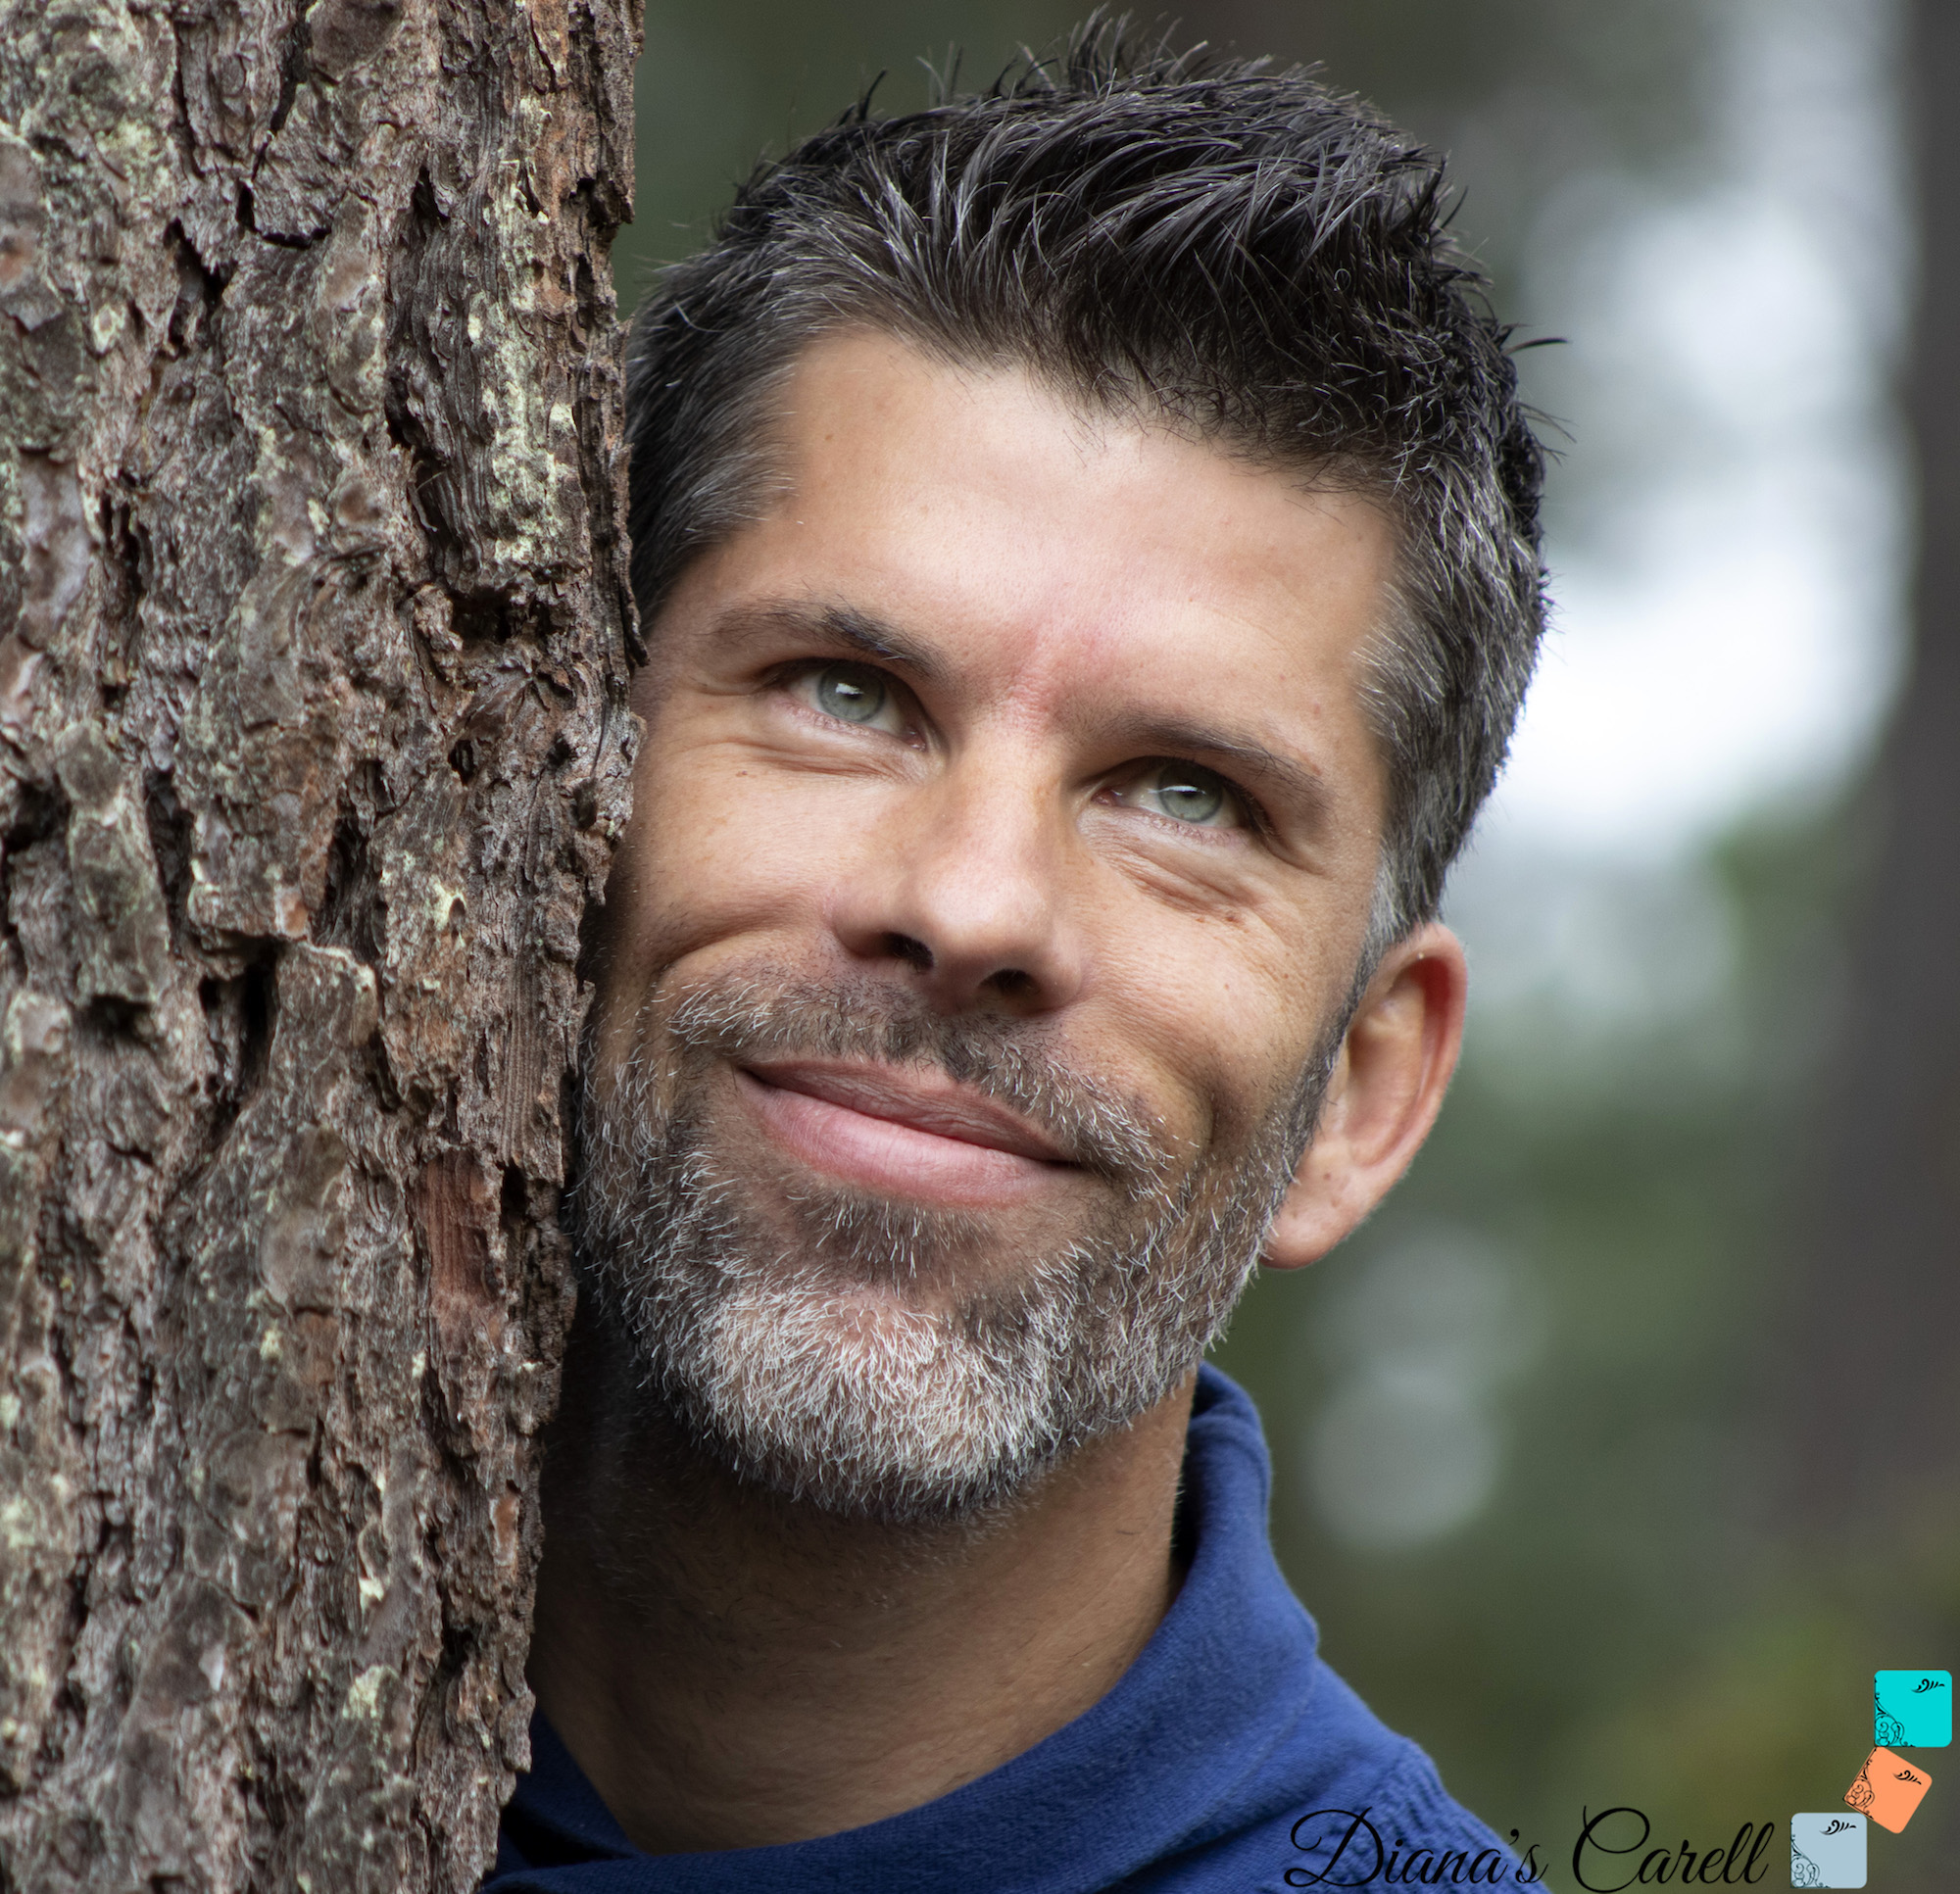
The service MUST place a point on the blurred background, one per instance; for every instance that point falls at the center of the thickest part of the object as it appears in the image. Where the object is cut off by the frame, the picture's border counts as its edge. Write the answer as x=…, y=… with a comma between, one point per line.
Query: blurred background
x=1620, y=1449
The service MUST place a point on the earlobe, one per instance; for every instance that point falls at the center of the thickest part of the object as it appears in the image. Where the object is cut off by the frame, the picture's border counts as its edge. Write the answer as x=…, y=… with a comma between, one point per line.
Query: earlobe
x=1388, y=1085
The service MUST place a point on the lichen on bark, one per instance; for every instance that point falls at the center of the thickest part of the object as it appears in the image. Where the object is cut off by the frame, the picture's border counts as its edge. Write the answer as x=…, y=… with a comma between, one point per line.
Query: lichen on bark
x=313, y=633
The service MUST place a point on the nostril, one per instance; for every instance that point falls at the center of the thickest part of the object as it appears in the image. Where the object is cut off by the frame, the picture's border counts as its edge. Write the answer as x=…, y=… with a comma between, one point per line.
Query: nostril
x=1011, y=983
x=914, y=953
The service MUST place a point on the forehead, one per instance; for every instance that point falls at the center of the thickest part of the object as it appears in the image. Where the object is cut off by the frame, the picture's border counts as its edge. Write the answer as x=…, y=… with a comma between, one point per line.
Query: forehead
x=1080, y=559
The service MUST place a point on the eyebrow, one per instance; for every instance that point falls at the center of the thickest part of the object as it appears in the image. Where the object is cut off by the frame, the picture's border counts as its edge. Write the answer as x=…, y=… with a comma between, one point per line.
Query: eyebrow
x=1240, y=751
x=841, y=624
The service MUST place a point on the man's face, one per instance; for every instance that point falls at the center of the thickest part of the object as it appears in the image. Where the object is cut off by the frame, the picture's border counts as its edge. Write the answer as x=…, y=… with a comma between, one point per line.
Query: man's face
x=1002, y=854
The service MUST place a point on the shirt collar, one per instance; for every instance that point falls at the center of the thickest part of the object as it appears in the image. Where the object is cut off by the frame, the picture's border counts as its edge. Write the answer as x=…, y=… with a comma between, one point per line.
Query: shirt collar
x=1105, y=1795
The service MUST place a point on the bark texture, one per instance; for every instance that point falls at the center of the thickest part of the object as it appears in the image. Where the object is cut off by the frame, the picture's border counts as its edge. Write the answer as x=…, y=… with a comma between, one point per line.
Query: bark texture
x=313, y=747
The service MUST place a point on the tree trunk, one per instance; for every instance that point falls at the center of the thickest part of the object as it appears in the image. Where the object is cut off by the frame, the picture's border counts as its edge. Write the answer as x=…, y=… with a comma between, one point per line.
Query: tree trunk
x=312, y=746
x=1873, y=1376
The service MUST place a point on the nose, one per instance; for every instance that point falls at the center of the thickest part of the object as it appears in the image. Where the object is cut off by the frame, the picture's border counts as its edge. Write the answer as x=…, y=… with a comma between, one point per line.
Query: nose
x=963, y=886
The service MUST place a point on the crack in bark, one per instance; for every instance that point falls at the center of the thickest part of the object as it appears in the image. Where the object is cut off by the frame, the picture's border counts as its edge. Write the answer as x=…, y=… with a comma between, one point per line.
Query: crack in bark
x=247, y=220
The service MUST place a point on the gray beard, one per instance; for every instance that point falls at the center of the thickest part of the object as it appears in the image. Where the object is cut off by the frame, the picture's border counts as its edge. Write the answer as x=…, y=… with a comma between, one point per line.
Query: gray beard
x=770, y=1368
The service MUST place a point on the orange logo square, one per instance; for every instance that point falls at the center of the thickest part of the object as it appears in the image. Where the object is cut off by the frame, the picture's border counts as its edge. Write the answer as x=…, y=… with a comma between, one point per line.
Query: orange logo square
x=1888, y=1790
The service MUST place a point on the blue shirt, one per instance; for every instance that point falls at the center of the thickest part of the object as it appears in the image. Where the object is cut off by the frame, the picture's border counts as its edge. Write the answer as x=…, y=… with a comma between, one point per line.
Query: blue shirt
x=1227, y=1755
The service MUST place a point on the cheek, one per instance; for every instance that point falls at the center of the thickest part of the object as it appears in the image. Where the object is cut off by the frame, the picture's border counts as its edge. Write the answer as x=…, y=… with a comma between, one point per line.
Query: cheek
x=1227, y=1012
x=719, y=848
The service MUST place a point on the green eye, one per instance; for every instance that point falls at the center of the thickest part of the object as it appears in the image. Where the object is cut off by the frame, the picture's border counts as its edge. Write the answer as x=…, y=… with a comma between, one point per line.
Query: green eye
x=851, y=693
x=1188, y=794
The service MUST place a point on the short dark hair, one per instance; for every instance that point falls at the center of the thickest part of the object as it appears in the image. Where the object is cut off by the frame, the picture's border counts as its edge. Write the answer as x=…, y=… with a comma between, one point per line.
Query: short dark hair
x=1233, y=252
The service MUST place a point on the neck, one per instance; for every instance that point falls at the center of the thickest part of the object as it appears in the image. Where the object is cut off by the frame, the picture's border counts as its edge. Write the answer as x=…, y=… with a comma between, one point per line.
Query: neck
x=730, y=1668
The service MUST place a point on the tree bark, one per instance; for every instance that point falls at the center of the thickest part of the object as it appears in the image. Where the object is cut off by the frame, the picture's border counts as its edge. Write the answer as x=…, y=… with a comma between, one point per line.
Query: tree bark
x=313, y=747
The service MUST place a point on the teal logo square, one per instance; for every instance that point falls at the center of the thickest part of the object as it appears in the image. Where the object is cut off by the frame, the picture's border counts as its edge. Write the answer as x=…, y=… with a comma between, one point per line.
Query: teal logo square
x=1827, y=1850
x=1913, y=1708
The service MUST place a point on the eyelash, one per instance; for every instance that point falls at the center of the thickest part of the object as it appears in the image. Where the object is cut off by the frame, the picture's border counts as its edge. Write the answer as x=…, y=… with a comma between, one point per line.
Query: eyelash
x=1258, y=822
x=798, y=671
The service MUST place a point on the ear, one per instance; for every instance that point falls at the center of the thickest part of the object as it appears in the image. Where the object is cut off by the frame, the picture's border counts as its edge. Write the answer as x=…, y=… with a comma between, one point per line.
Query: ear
x=1387, y=1087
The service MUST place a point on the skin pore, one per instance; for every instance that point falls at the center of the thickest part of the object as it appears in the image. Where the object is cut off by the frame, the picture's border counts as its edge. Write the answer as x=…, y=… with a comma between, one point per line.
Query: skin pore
x=1025, y=715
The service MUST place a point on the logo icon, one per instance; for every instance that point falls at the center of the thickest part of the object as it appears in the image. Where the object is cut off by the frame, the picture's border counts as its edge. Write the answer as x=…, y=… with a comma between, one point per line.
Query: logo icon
x=1913, y=1709
x=1826, y=1851
x=1888, y=1789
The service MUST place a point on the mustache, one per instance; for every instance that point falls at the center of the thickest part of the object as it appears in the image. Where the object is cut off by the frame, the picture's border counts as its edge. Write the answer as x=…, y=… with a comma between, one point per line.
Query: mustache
x=1100, y=1128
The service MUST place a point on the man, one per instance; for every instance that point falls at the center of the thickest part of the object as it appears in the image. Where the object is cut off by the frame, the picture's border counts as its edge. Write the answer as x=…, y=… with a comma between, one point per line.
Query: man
x=1086, y=541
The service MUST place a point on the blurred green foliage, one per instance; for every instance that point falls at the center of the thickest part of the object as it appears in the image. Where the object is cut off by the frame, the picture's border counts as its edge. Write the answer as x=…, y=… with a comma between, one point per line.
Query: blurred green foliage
x=1630, y=1616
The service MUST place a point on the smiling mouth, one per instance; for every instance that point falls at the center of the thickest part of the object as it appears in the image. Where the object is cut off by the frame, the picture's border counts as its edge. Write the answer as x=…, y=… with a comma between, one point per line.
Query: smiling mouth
x=900, y=1132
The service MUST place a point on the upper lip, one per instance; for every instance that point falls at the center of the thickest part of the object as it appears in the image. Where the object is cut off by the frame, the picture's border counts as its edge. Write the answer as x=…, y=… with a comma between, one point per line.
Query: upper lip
x=919, y=1097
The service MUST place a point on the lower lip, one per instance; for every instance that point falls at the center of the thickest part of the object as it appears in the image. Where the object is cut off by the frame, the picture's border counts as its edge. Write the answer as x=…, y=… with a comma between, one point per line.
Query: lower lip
x=898, y=1160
